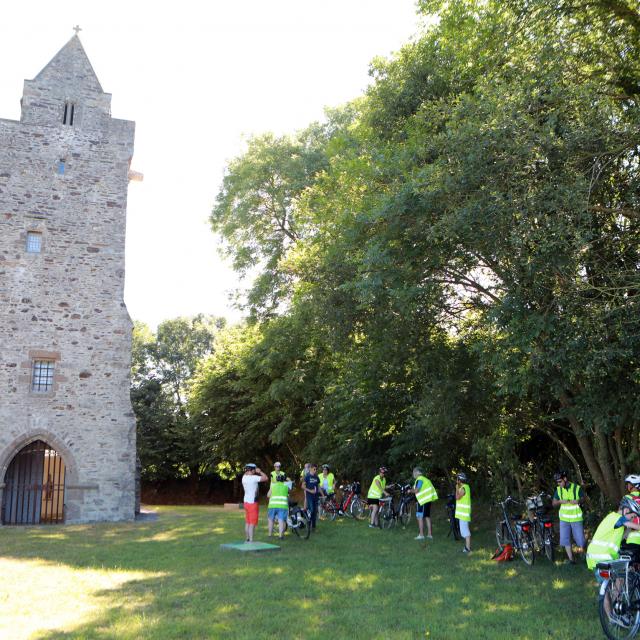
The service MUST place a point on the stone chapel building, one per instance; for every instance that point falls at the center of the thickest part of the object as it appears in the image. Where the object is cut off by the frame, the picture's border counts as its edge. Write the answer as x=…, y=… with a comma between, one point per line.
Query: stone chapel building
x=67, y=429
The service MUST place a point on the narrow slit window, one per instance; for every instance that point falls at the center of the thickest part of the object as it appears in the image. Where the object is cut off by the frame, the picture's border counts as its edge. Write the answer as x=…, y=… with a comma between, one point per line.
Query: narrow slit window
x=34, y=242
x=61, y=166
x=69, y=113
x=42, y=377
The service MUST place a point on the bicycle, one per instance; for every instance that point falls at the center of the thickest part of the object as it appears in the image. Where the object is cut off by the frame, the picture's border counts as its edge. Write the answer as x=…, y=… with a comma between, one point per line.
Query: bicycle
x=619, y=598
x=299, y=520
x=351, y=504
x=387, y=513
x=515, y=531
x=405, y=508
x=543, y=534
x=328, y=509
x=454, y=525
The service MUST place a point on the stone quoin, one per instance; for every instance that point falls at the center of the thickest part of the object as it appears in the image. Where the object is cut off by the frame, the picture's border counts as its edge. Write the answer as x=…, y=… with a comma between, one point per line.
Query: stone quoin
x=67, y=429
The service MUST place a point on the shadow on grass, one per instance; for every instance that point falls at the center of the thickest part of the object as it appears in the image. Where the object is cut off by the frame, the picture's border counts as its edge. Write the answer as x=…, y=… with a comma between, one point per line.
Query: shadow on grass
x=347, y=581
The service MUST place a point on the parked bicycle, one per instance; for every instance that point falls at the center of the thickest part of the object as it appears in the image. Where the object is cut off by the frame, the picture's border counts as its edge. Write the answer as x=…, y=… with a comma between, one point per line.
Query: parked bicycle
x=454, y=525
x=299, y=520
x=396, y=508
x=328, y=508
x=542, y=531
x=352, y=504
x=406, y=504
x=619, y=598
x=516, y=531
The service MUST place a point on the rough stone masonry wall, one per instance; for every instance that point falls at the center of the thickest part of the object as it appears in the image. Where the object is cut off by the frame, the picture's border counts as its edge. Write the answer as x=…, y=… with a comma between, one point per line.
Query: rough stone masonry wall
x=66, y=303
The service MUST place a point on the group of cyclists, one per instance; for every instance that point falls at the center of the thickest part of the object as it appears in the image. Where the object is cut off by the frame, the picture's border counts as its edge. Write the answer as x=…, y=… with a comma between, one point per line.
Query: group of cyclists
x=618, y=534
x=618, y=529
x=317, y=486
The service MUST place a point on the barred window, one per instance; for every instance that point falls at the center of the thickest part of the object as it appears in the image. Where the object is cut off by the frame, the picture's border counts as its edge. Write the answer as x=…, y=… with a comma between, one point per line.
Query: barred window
x=34, y=242
x=42, y=379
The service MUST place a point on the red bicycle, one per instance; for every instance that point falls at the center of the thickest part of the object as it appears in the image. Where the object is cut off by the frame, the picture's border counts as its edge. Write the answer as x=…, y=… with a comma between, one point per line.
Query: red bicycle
x=350, y=505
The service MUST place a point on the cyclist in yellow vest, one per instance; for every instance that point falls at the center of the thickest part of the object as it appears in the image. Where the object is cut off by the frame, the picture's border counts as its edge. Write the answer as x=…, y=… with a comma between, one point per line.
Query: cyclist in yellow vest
x=277, y=468
x=608, y=537
x=463, y=509
x=568, y=497
x=376, y=491
x=327, y=482
x=278, y=504
x=425, y=494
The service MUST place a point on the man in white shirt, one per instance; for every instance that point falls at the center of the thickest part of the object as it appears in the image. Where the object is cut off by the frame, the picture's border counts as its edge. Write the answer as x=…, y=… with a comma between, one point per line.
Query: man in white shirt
x=250, y=482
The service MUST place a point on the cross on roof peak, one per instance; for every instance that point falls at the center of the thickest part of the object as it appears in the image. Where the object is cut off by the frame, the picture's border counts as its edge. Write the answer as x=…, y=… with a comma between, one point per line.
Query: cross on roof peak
x=77, y=29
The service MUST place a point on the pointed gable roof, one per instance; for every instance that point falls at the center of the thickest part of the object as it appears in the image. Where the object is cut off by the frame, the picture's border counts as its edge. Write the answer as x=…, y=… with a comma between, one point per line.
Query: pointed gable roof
x=70, y=65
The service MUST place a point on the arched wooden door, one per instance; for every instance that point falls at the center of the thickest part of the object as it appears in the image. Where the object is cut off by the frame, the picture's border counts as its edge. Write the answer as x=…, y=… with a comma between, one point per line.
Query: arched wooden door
x=34, y=486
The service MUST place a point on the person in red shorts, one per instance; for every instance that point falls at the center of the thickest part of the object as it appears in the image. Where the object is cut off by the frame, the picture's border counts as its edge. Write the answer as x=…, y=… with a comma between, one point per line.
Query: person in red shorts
x=250, y=482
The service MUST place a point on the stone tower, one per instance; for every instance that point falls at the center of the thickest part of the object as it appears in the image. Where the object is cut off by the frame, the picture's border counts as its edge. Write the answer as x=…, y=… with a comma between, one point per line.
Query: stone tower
x=67, y=430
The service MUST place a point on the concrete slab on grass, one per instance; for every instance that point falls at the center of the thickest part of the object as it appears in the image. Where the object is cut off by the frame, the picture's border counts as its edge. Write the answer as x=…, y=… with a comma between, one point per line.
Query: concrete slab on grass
x=249, y=546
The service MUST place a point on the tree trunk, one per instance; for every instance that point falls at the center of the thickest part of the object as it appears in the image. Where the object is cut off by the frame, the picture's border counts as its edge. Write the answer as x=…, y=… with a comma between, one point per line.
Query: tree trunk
x=609, y=490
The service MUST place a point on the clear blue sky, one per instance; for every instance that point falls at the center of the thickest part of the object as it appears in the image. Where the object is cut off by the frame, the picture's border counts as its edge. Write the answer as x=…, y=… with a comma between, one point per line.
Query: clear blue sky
x=197, y=77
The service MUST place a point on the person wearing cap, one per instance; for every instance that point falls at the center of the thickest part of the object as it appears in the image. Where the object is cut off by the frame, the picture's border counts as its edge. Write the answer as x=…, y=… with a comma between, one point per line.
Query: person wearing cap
x=568, y=497
x=250, y=483
x=463, y=509
x=311, y=486
x=425, y=494
x=277, y=468
x=278, y=504
x=376, y=491
x=327, y=482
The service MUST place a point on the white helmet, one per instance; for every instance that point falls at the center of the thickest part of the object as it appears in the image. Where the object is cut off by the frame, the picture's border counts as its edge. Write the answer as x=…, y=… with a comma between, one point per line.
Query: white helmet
x=633, y=479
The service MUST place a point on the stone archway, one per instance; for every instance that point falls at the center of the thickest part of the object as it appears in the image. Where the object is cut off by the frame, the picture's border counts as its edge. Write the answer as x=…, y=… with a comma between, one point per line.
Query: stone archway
x=35, y=471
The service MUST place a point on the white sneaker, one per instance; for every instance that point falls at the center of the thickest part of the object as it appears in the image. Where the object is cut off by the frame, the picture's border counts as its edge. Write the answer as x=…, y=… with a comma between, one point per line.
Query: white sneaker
x=419, y=538
x=429, y=537
x=372, y=526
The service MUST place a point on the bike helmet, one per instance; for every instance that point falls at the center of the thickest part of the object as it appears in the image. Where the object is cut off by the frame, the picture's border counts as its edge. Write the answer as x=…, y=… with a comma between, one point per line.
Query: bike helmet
x=462, y=477
x=325, y=466
x=630, y=504
x=633, y=479
x=558, y=475
x=383, y=469
x=249, y=466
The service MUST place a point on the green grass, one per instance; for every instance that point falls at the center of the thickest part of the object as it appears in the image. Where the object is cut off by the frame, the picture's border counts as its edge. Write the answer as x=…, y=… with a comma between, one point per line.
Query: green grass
x=169, y=579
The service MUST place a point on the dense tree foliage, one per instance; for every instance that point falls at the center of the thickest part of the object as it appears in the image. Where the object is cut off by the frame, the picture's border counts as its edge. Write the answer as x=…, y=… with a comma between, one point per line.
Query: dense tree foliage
x=455, y=256
x=163, y=366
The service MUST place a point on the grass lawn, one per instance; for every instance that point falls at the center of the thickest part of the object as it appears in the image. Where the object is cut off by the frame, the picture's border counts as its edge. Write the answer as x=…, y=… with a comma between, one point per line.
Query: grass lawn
x=169, y=579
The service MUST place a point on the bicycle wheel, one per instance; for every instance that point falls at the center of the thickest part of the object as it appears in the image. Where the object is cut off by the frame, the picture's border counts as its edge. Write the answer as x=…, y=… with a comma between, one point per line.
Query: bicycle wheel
x=525, y=547
x=295, y=524
x=306, y=530
x=618, y=609
x=382, y=513
x=331, y=510
x=387, y=517
x=406, y=509
x=538, y=537
x=502, y=536
x=549, y=547
x=356, y=508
